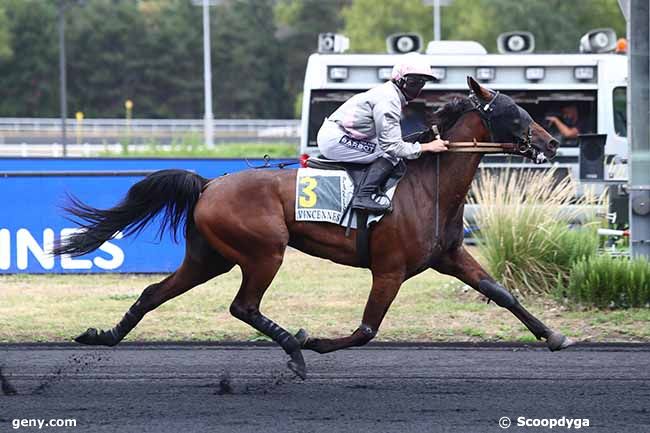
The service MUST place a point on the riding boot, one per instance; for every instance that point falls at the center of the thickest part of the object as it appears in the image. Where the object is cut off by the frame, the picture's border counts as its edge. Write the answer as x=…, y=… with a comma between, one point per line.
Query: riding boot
x=378, y=172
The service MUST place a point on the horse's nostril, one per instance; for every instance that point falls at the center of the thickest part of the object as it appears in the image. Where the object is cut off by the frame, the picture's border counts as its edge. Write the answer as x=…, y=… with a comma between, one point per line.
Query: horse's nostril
x=553, y=144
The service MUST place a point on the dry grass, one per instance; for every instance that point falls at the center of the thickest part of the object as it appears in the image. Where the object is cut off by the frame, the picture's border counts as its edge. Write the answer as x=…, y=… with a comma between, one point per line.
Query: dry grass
x=324, y=298
x=524, y=218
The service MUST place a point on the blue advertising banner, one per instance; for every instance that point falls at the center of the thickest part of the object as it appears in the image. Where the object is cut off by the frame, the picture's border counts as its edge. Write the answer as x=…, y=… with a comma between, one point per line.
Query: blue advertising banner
x=33, y=190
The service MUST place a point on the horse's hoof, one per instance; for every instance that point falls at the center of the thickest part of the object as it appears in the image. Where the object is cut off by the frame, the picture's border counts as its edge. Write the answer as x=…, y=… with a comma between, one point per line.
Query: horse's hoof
x=299, y=370
x=557, y=341
x=302, y=336
x=7, y=388
x=88, y=338
x=93, y=338
x=297, y=365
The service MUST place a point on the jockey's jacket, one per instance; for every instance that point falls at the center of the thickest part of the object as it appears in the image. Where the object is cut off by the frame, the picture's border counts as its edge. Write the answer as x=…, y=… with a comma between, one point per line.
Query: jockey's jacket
x=375, y=115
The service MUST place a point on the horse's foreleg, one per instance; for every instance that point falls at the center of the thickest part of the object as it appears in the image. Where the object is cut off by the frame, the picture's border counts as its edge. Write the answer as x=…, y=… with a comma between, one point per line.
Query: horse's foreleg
x=463, y=266
x=384, y=289
x=190, y=274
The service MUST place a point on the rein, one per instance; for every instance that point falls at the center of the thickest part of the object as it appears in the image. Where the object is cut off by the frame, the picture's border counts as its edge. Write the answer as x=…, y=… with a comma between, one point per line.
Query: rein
x=481, y=147
x=471, y=146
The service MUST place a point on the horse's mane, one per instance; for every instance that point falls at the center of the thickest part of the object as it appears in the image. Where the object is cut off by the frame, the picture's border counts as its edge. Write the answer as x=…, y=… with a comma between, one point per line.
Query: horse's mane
x=448, y=114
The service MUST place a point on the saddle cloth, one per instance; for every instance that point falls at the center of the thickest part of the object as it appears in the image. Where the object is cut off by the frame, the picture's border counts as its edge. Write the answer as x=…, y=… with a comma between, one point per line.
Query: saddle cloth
x=323, y=196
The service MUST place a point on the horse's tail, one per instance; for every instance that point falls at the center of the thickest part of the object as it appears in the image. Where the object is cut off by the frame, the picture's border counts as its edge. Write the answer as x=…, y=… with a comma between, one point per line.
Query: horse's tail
x=174, y=191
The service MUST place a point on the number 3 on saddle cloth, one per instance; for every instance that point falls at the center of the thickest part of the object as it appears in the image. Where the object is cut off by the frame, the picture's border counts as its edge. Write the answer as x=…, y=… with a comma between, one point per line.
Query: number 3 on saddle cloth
x=325, y=189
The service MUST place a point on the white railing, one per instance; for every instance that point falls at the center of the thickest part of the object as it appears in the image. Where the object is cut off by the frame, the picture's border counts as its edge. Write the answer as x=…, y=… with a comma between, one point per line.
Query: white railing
x=289, y=127
x=43, y=136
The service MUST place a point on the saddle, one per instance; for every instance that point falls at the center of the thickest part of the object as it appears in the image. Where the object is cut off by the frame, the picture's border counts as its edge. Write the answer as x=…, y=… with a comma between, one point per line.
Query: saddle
x=354, y=170
x=357, y=172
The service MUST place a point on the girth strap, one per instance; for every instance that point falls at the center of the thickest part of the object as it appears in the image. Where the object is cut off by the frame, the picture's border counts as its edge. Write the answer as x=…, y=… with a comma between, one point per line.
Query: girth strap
x=363, y=239
x=438, y=197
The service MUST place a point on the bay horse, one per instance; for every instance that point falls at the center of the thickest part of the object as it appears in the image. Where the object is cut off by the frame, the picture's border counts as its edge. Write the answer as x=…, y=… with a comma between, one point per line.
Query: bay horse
x=248, y=219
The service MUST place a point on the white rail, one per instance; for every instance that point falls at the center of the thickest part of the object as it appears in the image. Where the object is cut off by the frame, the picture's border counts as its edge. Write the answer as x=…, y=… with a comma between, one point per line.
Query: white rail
x=42, y=136
x=41, y=124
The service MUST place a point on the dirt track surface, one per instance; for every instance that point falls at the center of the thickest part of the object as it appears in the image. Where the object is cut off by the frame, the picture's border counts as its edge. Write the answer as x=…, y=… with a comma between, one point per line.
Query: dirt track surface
x=240, y=388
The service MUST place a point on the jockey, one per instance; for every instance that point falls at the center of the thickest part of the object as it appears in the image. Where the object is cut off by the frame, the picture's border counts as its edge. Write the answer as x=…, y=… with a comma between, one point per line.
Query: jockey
x=366, y=129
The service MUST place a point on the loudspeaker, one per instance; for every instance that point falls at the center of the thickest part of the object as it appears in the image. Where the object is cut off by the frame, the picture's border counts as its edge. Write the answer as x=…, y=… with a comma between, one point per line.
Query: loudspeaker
x=598, y=41
x=332, y=43
x=516, y=43
x=592, y=156
x=400, y=43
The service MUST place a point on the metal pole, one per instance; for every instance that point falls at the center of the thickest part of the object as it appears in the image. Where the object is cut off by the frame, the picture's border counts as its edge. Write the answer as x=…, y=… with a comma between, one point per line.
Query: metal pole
x=208, y=127
x=436, y=20
x=62, y=86
x=638, y=100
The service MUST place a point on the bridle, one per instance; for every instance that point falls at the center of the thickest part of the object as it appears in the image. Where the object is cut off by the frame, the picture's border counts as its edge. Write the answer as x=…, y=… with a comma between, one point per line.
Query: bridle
x=522, y=146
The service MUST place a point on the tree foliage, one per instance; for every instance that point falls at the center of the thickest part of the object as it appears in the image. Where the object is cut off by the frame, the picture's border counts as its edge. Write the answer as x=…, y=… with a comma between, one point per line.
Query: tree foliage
x=5, y=36
x=556, y=24
x=103, y=41
x=249, y=64
x=151, y=51
x=30, y=76
x=299, y=23
x=368, y=22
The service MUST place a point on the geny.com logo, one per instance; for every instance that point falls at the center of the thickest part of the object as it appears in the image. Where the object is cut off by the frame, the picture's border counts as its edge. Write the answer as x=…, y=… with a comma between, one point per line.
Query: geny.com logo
x=40, y=423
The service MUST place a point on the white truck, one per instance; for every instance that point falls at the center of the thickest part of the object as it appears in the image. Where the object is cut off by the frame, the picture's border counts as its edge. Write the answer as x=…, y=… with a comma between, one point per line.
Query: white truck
x=543, y=84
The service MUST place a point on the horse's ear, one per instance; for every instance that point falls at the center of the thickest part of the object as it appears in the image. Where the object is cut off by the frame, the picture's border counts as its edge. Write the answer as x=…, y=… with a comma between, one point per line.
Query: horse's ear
x=478, y=90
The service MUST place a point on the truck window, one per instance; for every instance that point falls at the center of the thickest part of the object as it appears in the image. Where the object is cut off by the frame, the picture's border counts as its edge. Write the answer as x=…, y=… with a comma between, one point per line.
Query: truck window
x=576, y=109
x=322, y=104
x=620, y=111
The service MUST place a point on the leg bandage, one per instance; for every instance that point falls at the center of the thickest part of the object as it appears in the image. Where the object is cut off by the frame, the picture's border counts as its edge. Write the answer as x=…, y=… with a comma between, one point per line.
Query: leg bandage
x=496, y=292
x=277, y=334
x=367, y=331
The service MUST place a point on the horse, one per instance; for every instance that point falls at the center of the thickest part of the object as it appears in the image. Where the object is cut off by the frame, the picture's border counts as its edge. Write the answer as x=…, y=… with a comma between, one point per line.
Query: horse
x=248, y=219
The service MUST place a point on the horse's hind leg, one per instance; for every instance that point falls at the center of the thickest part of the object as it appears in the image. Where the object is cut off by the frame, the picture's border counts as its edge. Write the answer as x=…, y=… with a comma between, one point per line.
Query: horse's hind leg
x=460, y=264
x=199, y=265
x=257, y=275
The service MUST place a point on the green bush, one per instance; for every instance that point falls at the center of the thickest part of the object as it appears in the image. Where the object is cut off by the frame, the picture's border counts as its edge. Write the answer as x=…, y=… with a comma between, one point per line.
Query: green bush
x=524, y=219
x=605, y=281
x=530, y=260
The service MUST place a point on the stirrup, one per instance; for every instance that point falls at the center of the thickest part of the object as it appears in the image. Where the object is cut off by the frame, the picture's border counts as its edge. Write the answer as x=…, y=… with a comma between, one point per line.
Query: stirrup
x=369, y=205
